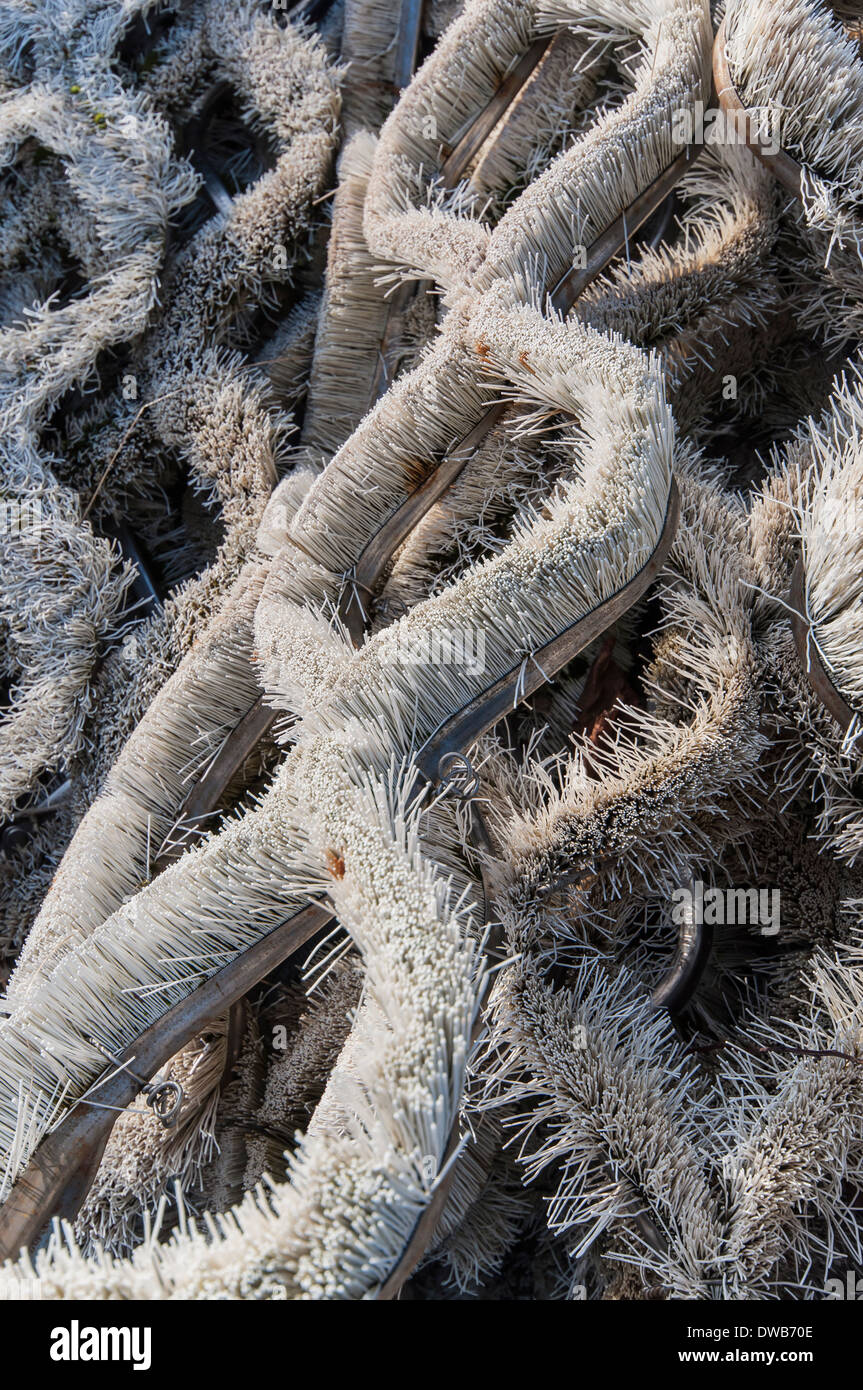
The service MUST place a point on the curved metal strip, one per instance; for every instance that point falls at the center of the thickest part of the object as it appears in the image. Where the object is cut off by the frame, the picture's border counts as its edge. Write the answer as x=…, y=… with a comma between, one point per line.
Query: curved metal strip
x=61, y=1171
x=781, y=165
x=807, y=651
x=457, y=733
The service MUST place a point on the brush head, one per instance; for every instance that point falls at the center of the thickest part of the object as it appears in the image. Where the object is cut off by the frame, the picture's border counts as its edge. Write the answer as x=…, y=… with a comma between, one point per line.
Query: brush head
x=798, y=65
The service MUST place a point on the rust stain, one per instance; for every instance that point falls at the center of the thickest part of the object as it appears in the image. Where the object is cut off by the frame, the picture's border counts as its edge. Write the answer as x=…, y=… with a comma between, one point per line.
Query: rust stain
x=335, y=864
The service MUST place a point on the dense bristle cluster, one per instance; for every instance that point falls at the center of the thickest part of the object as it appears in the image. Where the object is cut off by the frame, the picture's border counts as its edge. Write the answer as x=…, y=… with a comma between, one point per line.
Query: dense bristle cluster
x=447, y=592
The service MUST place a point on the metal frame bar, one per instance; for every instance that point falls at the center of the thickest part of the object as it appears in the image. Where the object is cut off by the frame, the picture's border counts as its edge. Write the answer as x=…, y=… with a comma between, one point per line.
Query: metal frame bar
x=807, y=651
x=61, y=1171
x=462, y=729
x=787, y=170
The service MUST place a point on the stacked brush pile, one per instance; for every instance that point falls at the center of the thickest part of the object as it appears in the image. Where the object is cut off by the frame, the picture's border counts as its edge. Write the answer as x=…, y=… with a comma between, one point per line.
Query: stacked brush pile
x=431, y=640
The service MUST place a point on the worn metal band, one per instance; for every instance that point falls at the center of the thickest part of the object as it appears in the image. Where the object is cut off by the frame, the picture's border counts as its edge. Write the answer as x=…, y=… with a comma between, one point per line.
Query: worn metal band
x=462, y=729
x=807, y=651
x=61, y=1171
x=787, y=170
